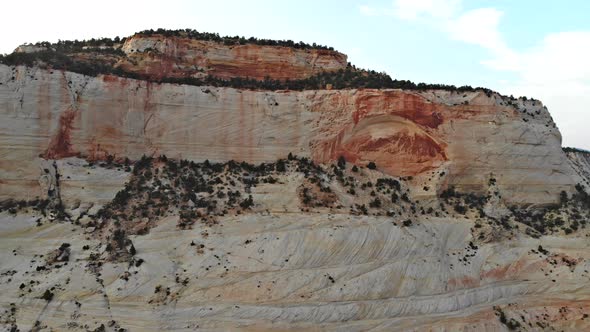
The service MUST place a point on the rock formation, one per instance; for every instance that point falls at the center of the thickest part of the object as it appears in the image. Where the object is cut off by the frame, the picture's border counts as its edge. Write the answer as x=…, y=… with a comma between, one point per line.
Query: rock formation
x=467, y=136
x=137, y=205
x=159, y=56
x=580, y=161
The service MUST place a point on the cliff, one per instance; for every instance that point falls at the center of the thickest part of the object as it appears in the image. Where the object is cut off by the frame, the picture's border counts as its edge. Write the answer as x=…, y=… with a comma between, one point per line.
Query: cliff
x=136, y=205
x=300, y=257
x=465, y=138
x=580, y=161
x=157, y=56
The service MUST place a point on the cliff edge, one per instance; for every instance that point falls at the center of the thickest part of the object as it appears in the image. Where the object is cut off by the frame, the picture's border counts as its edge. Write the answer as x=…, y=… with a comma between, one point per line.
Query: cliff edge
x=177, y=180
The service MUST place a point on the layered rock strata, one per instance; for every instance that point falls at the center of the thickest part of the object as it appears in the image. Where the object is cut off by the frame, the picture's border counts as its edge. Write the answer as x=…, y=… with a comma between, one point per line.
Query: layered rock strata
x=440, y=138
x=158, y=56
x=390, y=210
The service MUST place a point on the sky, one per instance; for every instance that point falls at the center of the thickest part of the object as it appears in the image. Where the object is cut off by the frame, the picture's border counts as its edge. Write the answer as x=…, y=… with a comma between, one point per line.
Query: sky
x=533, y=48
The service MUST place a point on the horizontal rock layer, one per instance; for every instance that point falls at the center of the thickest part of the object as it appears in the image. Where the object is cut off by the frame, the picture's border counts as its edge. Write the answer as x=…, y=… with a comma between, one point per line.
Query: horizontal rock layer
x=440, y=138
x=158, y=57
x=279, y=266
x=580, y=161
x=293, y=272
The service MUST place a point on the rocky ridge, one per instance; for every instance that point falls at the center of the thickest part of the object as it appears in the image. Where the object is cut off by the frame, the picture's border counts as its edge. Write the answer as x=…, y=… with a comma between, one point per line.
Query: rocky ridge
x=133, y=205
x=158, y=56
x=441, y=138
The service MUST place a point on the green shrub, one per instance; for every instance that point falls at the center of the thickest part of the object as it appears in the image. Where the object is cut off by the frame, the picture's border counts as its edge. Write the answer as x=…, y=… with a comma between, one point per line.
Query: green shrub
x=47, y=296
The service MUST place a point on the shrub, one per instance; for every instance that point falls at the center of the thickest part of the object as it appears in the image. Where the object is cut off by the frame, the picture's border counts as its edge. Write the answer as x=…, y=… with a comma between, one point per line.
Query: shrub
x=230, y=40
x=341, y=162
x=119, y=237
x=281, y=166
x=376, y=203
x=448, y=193
x=47, y=296
x=460, y=208
x=576, y=150
x=247, y=203
x=563, y=198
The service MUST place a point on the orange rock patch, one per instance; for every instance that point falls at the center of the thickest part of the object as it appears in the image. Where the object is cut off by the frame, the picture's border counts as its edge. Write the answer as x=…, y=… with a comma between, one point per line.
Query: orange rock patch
x=397, y=130
x=60, y=145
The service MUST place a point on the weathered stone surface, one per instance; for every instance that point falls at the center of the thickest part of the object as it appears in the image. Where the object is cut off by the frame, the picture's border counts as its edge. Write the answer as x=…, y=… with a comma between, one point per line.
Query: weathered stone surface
x=413, y=262
x=580, y=161
x=29, y=48
x=441, y=138
x=293, y=271
x=158, y=56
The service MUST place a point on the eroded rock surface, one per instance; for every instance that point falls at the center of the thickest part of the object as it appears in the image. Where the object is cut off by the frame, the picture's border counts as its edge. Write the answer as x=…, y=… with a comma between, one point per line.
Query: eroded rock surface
x=580, y=161
x=284, y=262
x=442, y=138
x=130, y=205
x=159, y=56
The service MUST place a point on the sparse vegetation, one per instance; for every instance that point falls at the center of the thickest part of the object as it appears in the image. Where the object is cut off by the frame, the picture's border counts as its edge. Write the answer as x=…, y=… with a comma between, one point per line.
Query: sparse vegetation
x=227, y=40
x=63, y=56
x=568, y=216
x=511, y=323
x=575, y=150
x=341, y=162
x=47, y=295
x=349, y=78
x=14, y=206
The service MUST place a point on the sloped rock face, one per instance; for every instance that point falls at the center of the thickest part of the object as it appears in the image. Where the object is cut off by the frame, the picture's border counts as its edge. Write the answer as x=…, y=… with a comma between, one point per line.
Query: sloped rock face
x=28, y=48
x=455, y=229
x=158, y=56
x=281, y=266
x=440, y=138
x=290, y=274
x=580, y=161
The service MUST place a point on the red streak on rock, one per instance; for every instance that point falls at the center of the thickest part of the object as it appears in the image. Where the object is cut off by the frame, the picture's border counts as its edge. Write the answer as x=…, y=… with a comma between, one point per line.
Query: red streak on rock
x=398, y=130
x=60, y=145
x=97, y=152
x=110, y=78
x=462, y=282
x=407, y=105
x=416, y=145
x=400, y=153
x=182, y=57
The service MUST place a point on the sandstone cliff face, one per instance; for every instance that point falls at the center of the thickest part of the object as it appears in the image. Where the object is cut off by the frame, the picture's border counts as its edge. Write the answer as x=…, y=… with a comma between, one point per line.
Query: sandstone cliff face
x=440, y=138
x=28, y=48
x=164, y=244
x=277, y=267
x=385, y=278
x=158, y=56
x=580, y=161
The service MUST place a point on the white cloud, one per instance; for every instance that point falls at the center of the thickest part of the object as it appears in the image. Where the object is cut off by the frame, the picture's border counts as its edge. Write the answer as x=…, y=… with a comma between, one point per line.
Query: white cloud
x=425, y=9
x=556, y=71
x=562, y=57
x=479, y=27
x=368, y=11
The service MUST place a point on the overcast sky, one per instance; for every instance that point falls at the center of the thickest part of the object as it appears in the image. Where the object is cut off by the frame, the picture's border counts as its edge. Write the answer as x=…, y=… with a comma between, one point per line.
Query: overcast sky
x=539, y=49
